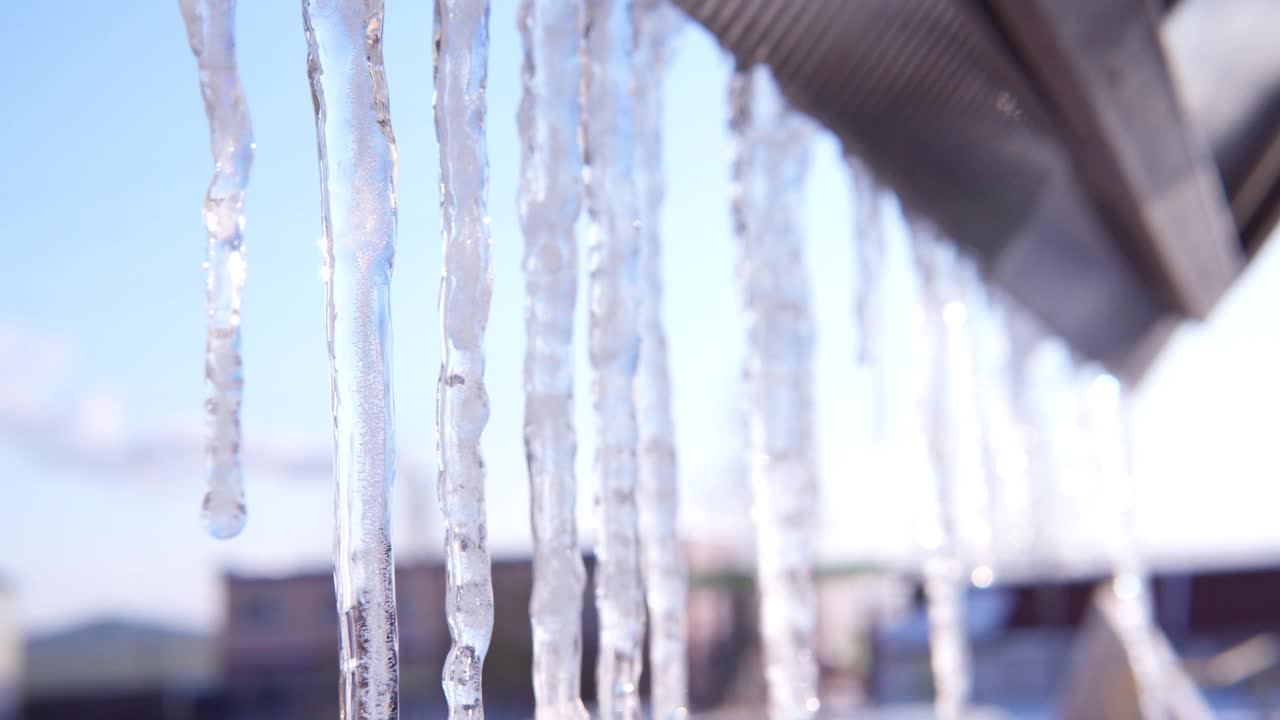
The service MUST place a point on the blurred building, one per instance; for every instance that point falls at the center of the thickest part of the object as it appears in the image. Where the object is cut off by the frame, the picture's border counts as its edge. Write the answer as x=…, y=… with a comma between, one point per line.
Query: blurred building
x=726, y=668
x=111, y=670
x=275, y=654
x=10, y=654
x=720, y=622
x=279, y=642
x=1026, y=638
x=278, y=645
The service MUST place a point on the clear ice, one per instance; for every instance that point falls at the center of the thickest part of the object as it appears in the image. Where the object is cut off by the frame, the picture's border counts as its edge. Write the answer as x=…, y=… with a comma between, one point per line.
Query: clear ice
x=1108, y=432
x=550, y=197
x=950, y=444
x=358, y=214
x=211, y=32
x=961, y=431
x=608, y=120
x=869, y=264
x=461, y=73
x=944, y=588
x=1046, y=397
x=769, y=167
x=656, y=487
x=1004, y=435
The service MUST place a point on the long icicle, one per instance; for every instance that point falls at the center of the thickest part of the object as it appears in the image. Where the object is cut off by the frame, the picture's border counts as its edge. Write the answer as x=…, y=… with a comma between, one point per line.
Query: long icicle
x=769, y=167
x=943, y=570
x=1106, y=427
x=869, y=263
x=614, y=247
x=550, y=197
x=1041, y=370
x=968, y=464
x=657, y=490
x=358, y=213
x=461, y=72
x=211, y=32
x=997, y=379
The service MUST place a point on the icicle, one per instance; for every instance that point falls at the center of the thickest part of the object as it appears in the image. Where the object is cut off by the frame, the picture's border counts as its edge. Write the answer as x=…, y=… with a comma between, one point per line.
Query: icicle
x=1003, y=435
x=871, y=249
x=944, y=569
x=1108, y=431
x=211, y=32
x=1030, y=353
x=869, y=263
x=1059, y=456
x=962, y=432
x=769, y=167
x=461, y=70
x=358, y=213
x=944, y=588
x=550, y=190
x=608, y=120
x=657, y=491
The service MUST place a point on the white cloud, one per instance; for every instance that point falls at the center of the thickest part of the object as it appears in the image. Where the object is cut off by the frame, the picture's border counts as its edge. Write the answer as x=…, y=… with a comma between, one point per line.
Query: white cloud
x=100, y=421
x=44, y=416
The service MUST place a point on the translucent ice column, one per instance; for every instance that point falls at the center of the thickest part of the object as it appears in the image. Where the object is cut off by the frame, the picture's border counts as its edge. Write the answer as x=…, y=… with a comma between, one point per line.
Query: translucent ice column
x=211, y=32
x=1105, y=414
x=946, y=567
x=869, y=244
x=771, y=151
x=358, y=216
x=1004, y=435
x=657, y=492
x=608, y=121
x=550, y=194
x=461, y=71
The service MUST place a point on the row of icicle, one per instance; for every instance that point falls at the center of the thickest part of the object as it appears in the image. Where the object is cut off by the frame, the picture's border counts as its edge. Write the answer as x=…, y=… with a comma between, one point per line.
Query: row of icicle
x=639, y=558
x=592, y=89
x=991, y=396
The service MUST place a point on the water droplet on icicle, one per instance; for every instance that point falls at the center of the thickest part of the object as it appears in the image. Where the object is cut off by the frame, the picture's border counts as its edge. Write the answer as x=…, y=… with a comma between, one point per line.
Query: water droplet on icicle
x=223, y=512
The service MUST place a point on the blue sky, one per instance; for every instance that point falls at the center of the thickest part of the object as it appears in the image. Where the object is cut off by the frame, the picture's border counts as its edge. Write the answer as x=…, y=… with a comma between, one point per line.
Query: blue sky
x=101, y=325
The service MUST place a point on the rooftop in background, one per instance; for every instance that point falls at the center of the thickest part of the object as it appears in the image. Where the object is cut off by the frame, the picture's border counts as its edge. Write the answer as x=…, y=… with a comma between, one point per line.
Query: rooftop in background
x=107, y=657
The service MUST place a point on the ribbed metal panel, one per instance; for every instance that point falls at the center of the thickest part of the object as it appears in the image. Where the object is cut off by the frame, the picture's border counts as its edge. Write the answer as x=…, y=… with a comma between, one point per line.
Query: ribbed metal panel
x=928, y=93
